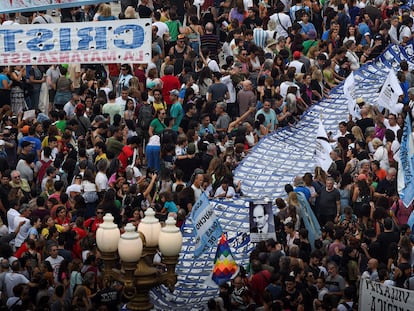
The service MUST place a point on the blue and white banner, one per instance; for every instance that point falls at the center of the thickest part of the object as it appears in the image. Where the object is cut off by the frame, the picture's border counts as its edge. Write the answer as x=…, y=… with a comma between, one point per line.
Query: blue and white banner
x=272, y=163
x=407, y=164
x=207, y=228
x=10, y=6
x=121, y=41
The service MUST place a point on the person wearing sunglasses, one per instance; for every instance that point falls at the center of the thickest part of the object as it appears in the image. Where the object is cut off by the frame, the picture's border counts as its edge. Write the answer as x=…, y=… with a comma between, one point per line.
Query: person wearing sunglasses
x=92, y=223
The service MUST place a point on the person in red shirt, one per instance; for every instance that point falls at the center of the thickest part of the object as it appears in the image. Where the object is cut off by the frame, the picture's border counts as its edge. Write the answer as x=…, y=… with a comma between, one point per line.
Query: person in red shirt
x=92, y=224
x=258, y=281
x=128, y=151
x=81, y=232
x=169, y=83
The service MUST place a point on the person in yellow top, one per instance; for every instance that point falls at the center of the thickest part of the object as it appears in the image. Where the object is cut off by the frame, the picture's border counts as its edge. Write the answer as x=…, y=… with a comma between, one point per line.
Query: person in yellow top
x=49, y=225
x=100, y=151
x=158, y=102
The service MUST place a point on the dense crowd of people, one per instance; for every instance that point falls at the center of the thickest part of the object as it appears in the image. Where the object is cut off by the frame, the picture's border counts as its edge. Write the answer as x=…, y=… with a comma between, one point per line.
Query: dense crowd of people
x=82, y=140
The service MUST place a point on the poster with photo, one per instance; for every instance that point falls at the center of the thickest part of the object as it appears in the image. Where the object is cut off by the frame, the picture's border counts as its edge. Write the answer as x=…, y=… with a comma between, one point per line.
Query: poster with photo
x=262, y=225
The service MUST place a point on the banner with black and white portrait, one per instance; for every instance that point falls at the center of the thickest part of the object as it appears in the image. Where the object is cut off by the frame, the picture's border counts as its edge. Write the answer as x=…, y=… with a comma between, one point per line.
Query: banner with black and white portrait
x=262, y=224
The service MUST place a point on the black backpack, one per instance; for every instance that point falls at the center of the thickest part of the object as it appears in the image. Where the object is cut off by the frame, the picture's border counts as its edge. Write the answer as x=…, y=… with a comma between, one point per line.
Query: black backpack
x=145, y=116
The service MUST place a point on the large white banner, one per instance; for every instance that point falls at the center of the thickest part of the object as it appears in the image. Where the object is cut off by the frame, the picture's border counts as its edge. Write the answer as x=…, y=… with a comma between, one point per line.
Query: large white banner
x=8, y=6
x=390, y=92
x=121, y=41
x=349, y=93
x=375, y=296
x=322, y=149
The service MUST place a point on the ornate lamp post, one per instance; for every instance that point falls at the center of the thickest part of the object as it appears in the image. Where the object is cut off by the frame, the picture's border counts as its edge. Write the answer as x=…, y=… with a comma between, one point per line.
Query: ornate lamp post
x=136, y=251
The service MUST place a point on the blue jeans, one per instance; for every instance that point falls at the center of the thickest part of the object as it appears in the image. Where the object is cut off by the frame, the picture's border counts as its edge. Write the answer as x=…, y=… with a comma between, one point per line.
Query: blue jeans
x=152, y=154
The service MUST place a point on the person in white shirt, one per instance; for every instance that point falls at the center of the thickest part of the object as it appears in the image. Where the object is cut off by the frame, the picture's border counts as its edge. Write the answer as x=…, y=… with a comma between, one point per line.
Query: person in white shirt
x=23, y=233
x=225, y=190
x=11, y=279
x=282, y=21
x=11, y=21
x=55, y=260
x=12, y=213
x=391, y=123
x=196, y=186
x=121, y=100
x=162, y=27
x=101, y=180
x=300, y=67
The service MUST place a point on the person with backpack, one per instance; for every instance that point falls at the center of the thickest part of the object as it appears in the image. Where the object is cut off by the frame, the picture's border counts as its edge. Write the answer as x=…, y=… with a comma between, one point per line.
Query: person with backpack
x=146, y=114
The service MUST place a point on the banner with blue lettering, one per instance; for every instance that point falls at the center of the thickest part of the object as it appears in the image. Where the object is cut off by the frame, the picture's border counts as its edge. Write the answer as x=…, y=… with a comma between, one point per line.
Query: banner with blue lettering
x=9, y=6
x=407, y=164
x=207, y=228
x=120, y=41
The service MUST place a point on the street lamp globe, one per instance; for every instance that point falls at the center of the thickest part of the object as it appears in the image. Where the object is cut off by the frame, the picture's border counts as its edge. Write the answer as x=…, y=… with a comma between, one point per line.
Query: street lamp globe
x=107, y=235
x=150, y=227
x=170, y=239
x=130, y=245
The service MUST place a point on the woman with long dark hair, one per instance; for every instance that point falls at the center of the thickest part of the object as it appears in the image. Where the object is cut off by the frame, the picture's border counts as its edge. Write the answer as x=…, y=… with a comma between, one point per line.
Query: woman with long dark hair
x=361, y=195
x=259, y=127
x=109, y=205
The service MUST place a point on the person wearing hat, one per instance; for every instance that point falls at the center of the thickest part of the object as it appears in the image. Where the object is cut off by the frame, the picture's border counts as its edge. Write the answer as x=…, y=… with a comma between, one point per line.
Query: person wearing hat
x=179, y=52
x=300, y=67
x=270, y=46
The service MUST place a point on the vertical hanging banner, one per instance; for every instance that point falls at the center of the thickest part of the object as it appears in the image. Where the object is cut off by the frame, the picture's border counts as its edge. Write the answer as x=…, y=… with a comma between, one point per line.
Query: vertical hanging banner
x=406, y=165
x=323, y=149
x=349, y=93
x=390, y=92
x=11, y=6
x=207, y=227
x=120, y=41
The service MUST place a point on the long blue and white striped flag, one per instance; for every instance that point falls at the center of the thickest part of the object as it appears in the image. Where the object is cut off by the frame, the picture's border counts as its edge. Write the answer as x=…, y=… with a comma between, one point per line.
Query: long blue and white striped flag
x=406, y=190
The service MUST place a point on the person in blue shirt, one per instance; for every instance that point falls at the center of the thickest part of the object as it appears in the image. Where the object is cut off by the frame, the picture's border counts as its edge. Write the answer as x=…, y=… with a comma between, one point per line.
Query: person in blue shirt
x=364, y=30
x=30, y=131
x=300, y=187
x=166, y=199
x=206, y=127
x=306, y=25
